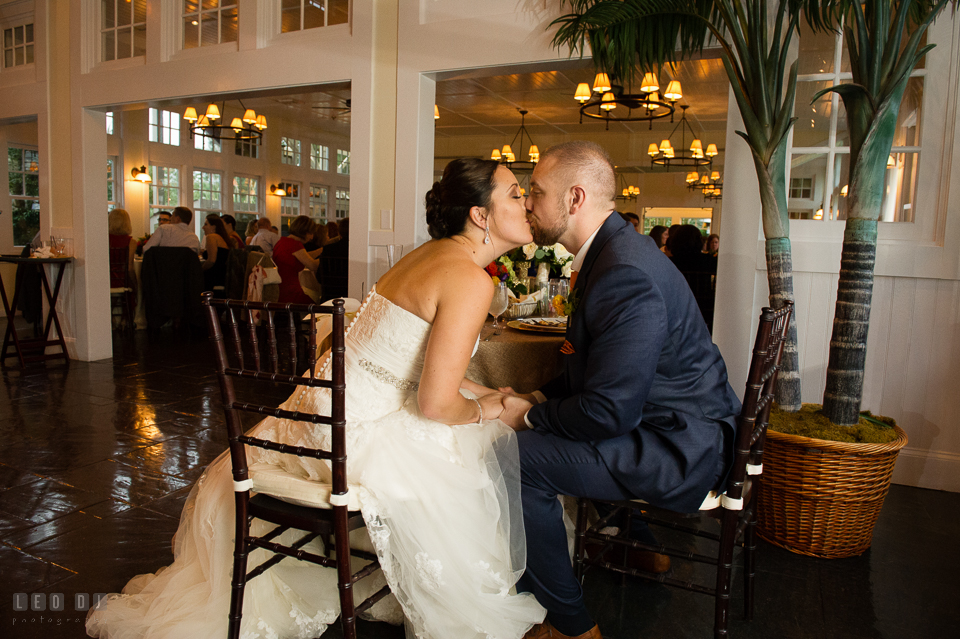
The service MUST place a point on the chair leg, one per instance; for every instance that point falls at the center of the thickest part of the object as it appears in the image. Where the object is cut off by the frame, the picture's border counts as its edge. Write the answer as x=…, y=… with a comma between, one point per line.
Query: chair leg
x=238, y=584
x=625, y=534
x=749, y=563
x=348, y=616
x=724, y=573
x=579, y=538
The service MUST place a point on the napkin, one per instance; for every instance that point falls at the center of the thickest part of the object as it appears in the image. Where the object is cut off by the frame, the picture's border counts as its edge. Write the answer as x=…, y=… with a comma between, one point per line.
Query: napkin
x=43, y=252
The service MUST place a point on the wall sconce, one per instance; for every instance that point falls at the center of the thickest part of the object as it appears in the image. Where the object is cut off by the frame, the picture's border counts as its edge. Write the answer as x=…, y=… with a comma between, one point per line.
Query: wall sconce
x=279, y=192
x=140, y=175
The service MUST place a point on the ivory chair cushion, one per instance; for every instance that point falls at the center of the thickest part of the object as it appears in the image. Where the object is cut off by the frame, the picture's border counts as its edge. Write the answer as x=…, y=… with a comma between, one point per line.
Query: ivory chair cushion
x=276, y=482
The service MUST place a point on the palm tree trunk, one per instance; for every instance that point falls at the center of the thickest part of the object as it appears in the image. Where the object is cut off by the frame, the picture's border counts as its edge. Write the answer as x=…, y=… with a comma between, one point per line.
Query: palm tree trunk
x=776, y=228
x=848, y=352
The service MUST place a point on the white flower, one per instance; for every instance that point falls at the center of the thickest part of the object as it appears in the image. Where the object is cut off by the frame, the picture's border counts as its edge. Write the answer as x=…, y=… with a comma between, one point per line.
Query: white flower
x=529, y=250
x=561, y=252
x=567, y=269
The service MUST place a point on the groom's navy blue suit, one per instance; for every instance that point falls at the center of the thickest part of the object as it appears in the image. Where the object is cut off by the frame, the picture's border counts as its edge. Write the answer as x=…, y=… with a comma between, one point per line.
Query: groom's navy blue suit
x=643, y=408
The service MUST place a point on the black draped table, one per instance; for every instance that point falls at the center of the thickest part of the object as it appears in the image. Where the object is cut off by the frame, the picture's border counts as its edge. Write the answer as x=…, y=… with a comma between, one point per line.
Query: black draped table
x=34, y=349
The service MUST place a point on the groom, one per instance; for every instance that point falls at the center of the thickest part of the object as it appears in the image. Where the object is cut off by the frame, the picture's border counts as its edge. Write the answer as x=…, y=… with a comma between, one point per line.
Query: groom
x=643, y=408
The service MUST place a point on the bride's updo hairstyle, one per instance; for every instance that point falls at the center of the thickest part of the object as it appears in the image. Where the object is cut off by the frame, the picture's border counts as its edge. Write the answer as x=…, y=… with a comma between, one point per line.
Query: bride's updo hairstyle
x=466, y=183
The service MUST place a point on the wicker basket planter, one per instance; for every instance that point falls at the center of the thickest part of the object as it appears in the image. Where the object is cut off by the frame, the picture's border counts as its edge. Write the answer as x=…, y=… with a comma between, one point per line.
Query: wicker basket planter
x=822, y=498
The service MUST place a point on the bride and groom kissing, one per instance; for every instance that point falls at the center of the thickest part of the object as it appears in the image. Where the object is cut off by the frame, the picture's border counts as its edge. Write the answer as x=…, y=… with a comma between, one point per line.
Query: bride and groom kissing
x=443, y=466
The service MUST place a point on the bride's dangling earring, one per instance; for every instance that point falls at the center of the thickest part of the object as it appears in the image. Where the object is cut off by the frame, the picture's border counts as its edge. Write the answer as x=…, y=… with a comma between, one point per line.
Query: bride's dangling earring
x=486, y=235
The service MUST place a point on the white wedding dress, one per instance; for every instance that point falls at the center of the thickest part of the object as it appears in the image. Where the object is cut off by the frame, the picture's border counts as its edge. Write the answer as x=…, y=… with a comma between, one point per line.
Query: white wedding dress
x=441, y=504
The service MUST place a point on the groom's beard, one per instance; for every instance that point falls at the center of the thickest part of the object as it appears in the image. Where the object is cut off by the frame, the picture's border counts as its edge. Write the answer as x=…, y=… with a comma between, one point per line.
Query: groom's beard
x=550, y=235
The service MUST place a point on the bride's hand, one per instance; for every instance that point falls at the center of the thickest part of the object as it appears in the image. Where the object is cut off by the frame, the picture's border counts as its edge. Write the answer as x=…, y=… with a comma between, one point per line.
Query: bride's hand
x=492, y=405
x=509, y=392
x=514, y=408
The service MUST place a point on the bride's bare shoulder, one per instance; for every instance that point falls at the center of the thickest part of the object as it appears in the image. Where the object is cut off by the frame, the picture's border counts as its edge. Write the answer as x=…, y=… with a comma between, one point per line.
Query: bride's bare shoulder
x=434, y=272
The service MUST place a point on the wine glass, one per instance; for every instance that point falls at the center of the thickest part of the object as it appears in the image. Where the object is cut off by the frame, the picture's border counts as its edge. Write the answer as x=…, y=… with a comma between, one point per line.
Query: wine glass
x=498, y=305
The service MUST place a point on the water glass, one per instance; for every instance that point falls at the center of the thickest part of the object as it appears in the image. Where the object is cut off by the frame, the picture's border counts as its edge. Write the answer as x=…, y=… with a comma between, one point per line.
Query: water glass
x=394, y=253
x=499, y=303
x=556, y=288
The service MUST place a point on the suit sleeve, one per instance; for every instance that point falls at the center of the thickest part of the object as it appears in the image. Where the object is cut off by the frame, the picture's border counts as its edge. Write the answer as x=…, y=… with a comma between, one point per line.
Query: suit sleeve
x=626, y=320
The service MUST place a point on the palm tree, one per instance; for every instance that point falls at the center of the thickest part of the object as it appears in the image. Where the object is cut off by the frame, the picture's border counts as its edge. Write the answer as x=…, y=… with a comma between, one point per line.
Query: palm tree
x=881, y=62
x=630, y=37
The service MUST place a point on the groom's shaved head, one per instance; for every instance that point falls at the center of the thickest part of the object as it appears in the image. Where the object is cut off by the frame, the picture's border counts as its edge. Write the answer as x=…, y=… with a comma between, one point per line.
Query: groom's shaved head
x=584, y=163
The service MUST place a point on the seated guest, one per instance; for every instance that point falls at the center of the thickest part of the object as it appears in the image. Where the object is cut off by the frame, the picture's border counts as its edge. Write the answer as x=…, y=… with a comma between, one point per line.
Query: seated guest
x=163, y=217
x=176, y=233
x=251, y=232
x=712, y=245
x=659, y=235
x=265, y=238
x=319, y=237
x=120, y=232
x=230, y=223
x=216, y=247
x=333, y=232
x=335, y=263
x=633, y=219
x=686, y=253
x=291, y=257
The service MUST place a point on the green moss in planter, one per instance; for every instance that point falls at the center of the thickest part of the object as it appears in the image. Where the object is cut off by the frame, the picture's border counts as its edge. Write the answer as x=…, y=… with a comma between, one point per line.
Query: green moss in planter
x=809, y=421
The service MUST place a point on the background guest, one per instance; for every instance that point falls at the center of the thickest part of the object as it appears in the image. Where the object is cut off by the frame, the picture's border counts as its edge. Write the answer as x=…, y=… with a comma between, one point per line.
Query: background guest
x=217, y=249
x=659, y=235
x=266, y=237
x=120, y=230
x=177, y=233
x=291, y=257
x=712, y=246
x=230, y=223
x=251, y=232
x=666, y=239
x=319, y=237
x=163, y=217
x=333, y=232
x=698, y=268
x=634, y=219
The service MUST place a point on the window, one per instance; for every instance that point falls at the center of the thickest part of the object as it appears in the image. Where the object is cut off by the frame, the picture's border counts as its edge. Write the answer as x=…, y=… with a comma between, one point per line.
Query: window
x=164, y=191
x=296, y=15
x=343, y=203
x=206, y=143
x=206, y=195
x=801, y=188
x=319, y=157
x=113, y=194
x=343, y=162
x=246, y=200
x=702, y=224
x=318, y=203
x=820, y=152
x=109, y=122
x=290, y=151
x=650, y=222
x=165, y=127
x=24, y=177
x=247, y=149
x=18, y=46
x=289, y=205
x=123, y=29
x=209, y=22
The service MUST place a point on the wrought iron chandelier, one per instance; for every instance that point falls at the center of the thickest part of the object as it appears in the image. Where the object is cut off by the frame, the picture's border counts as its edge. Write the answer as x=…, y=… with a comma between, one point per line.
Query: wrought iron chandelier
x=248, y=127
x=648, y=105
x=711, y=186
x=666, y=155
x=507, y=156
x=628, y=192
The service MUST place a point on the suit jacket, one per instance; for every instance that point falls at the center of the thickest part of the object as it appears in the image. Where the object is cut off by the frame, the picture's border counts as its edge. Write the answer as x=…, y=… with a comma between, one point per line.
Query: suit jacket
x=644, y=385
x=172, y=282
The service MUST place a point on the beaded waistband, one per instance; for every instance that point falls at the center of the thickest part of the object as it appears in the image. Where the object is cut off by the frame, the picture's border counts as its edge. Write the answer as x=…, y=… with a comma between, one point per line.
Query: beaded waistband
x=387, y=377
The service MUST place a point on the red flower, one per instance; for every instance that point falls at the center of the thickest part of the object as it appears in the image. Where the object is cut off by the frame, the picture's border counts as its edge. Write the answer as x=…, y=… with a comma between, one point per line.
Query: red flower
x=503, y=270
x=492, y=269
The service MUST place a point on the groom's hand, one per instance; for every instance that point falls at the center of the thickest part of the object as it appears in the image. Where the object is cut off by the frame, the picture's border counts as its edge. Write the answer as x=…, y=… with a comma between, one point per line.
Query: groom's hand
x=508, y=391
x=514, y=408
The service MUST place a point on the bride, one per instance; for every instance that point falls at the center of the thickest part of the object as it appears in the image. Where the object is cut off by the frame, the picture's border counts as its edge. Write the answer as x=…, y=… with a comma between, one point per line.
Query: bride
x=435, y=470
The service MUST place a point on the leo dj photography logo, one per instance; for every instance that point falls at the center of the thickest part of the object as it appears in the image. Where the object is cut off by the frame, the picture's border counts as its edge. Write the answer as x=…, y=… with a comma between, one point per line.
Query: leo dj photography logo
x=54, y=609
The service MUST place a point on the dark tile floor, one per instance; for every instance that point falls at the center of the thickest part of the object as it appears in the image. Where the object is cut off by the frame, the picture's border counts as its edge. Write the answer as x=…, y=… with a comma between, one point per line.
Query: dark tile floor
x=97, y=458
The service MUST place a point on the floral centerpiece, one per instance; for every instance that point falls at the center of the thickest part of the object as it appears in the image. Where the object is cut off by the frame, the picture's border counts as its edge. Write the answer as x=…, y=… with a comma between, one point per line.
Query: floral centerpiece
x=502, y=270
x=141, y=242
x=557, y=258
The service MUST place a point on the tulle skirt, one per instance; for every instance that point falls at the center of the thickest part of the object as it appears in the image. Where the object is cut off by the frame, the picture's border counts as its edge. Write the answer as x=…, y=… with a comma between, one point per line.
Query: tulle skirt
x=442, y=508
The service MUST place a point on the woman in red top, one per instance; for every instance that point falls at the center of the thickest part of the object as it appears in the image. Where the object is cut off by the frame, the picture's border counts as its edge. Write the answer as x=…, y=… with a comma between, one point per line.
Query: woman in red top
x=291, y=258
x=120, y=230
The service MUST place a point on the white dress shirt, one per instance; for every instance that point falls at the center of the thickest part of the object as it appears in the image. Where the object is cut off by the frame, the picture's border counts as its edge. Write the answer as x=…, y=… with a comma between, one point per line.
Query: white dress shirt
x=265, y=239
x=173, y=234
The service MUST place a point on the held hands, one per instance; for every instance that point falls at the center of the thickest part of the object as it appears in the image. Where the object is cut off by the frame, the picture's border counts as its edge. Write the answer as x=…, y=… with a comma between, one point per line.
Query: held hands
x=514, y=408
x=507, y=390
x=492, y=405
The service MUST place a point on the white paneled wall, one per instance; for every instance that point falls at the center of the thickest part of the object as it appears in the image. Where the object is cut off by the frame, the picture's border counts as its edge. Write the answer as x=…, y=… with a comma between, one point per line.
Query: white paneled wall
x=913, y=364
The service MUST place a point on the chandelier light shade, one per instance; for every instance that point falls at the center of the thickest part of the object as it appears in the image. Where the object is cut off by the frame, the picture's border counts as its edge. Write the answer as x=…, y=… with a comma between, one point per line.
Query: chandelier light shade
x=507, y=156
x=249, y=126
x=692, y=177
x=140, y=174
x=650, y=83
x=653, y=150
x=692, y=156
x=654, y=102
x=583, y=92
x=710, y=185
x=607, y=103
x=673, y=91
x=627, y=191
x=712, y=151
x=601, y=83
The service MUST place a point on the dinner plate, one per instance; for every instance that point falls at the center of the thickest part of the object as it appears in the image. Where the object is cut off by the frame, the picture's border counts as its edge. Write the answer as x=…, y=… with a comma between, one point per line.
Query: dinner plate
x=540, y=324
